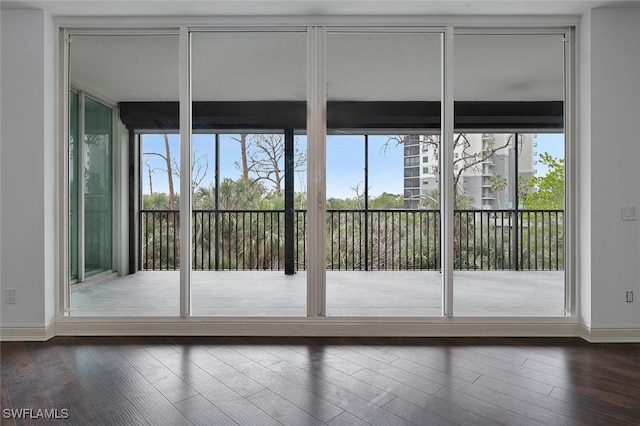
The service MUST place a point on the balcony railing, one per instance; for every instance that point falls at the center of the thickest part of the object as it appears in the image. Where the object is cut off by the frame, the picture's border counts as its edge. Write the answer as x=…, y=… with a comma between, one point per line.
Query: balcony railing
x=357, y=240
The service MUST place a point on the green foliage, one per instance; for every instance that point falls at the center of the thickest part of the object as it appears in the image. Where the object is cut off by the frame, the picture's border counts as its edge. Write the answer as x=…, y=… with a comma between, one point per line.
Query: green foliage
x=344, y=203
x=404, y=239
x=387, y=201
x=240, y=194
x=157, y=201
x=549, y=189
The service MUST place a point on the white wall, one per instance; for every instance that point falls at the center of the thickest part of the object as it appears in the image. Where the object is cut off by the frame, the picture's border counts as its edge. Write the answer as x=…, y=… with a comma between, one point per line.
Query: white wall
x=28, y=168
x=614, y=166
x=583, y=151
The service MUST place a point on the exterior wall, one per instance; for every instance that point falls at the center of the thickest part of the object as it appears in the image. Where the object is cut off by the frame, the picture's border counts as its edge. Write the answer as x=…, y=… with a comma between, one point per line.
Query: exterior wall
x=28, y=168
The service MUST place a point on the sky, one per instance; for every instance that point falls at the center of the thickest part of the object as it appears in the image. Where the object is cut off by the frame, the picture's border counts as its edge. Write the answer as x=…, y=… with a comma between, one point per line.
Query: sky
x=345, y=162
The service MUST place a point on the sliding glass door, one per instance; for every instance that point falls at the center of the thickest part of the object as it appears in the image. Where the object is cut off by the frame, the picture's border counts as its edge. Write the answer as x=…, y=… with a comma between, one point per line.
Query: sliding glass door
x=383, y=109
x=509, y=175
x=319, y=171
x=106, y=73
x=248, y=119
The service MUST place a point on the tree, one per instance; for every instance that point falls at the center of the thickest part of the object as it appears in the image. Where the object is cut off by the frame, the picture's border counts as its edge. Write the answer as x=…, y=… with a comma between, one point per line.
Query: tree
x=498, y=184
x=199, y=168
x=265, y=159
x=548, y=191
x=524, y=187
x=387, y=201
x=151, y=170
x=169, y=169
x=431, y=200
x=240, y=194
x=243, y=165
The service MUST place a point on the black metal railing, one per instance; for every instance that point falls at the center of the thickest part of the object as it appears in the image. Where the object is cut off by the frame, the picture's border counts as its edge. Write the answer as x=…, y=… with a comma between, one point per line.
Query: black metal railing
x=358, y=240
x=508, y=240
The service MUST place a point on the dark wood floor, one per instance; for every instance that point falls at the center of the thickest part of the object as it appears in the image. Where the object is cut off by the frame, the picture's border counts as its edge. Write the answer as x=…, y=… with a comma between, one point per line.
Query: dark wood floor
x=316, y=381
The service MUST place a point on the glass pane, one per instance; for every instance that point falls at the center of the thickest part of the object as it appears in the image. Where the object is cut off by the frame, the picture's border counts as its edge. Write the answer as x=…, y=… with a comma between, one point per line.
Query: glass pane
x=97, y=187
x=121, y=70
x=509, y=176
x=73, y=185
x=382, y=236
x=160, y=177
x=345, y=202
x=250, y=88
x=413, y=186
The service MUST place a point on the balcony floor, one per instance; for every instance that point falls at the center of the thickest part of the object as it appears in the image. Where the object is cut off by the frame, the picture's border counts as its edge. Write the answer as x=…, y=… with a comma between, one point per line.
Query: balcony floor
x=349, y=293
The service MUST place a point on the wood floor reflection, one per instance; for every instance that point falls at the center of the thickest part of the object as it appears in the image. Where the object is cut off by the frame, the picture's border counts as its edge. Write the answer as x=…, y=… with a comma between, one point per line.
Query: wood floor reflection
x=323, y=381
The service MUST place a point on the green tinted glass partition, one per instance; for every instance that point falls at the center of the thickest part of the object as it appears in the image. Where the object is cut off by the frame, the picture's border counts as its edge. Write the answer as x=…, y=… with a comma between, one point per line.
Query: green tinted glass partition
x=97, y=187
x=73, y=185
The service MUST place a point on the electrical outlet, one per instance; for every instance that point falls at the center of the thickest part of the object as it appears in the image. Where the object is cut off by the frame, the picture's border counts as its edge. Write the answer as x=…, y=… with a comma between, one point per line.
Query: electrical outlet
x=629, y=296
x=630, y=212
x=11, y=296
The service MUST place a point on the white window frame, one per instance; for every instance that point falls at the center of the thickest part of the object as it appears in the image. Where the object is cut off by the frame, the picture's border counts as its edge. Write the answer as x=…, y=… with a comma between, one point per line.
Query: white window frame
x=316, y=132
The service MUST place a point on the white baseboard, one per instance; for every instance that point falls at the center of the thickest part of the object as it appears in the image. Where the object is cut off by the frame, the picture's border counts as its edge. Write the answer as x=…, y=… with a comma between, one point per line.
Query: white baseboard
x=316, y=327
x=27, y=333
x=319, y=327
x=618, y=334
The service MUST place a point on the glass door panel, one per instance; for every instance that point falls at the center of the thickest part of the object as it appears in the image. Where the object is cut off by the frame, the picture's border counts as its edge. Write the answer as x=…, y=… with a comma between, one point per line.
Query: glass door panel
x=97, y=174
x=105, y=71
x=509, y=173
x=383, y=233
x=249, y=97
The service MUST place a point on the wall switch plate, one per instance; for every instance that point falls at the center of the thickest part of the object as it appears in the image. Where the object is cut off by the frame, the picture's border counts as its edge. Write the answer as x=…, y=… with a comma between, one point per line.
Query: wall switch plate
x=630, y=212
x=11, y=296
x=629, y=296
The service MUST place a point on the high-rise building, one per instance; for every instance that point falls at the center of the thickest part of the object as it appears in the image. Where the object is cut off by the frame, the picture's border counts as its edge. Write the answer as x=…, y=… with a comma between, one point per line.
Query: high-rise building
x=483, y=168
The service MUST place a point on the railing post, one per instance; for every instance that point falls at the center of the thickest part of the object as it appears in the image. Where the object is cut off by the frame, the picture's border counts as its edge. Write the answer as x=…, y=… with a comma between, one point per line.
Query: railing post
x=515, y=250
x=289, y=200
x=217, y=205
x=366, y=203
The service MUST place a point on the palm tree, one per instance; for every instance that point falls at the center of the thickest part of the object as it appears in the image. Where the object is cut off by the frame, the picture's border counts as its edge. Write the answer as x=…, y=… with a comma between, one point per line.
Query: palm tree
x=498, y=184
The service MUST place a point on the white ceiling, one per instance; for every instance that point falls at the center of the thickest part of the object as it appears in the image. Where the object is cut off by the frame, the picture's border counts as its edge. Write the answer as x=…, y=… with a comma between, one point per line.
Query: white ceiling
x=258, y=66
x=271, y=67
x=307, y=7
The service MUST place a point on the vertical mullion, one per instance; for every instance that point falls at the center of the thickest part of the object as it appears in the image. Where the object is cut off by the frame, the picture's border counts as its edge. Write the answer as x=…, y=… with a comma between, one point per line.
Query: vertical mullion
x=289, y=204
x=570, y=201
x=184, y=64
x=81, y=217
x=446, y=164
x=316, y=168
x=64, y=244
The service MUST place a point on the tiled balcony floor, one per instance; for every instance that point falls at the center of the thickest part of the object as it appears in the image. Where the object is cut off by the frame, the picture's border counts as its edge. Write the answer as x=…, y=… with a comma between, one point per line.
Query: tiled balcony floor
x=349, y=293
